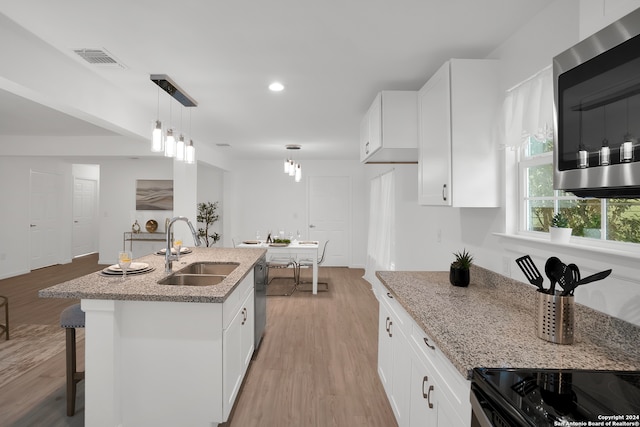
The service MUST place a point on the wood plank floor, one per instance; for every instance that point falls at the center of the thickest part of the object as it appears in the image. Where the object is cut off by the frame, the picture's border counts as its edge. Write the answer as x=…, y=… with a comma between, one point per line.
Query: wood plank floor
x=315, y=367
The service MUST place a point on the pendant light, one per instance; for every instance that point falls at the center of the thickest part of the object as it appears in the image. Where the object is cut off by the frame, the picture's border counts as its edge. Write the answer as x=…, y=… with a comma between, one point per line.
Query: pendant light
x=189, y=150
x=180, y=145
x=157, y=144
x=170, y=141
x=292, y=168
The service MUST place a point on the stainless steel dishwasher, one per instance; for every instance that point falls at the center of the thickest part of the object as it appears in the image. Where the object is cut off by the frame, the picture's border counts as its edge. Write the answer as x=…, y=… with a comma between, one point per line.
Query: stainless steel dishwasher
x=260, y=274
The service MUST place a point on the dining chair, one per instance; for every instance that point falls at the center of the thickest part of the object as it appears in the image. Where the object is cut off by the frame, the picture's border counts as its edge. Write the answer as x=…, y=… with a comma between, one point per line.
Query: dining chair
x=308, y=263
x=280, y=262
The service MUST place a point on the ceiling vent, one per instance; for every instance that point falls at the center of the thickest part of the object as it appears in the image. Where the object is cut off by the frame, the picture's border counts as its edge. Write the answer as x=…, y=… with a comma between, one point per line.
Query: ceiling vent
x=99, y=57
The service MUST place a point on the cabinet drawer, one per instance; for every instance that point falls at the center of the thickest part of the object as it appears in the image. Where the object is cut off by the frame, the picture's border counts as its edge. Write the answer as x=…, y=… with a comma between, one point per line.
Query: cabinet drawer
x=396, y=310
x=233, y=301
x=457, y=388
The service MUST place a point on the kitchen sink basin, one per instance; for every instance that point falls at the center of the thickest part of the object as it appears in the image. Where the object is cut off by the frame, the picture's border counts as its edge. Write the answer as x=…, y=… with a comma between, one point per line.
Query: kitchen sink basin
x=192, y=279
x=200, y=274
x=215, y=268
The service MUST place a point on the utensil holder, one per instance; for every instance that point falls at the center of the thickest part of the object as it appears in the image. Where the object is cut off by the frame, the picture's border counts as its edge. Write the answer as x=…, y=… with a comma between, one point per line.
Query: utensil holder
x=555, y=318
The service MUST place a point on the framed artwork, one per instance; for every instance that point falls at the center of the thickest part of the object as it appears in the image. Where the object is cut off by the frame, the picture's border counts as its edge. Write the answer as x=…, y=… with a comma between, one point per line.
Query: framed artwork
x=154, y=195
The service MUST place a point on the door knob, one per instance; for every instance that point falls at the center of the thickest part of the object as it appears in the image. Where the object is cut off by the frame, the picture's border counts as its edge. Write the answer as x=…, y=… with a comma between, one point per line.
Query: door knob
x=32, y=225
x=312, y=226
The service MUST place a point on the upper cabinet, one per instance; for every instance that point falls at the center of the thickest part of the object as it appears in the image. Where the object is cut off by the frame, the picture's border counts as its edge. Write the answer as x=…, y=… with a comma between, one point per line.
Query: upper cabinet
x=389, y=130
x=458, y=155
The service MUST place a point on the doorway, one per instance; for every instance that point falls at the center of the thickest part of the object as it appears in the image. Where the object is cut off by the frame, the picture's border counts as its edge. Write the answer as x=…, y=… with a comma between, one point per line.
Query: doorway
x=329, y=207
x=85, y=207
x=44, y=215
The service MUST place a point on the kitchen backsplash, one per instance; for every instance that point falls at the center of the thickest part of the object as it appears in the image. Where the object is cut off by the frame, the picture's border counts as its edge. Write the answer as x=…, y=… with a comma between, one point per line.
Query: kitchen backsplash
x=597, y=327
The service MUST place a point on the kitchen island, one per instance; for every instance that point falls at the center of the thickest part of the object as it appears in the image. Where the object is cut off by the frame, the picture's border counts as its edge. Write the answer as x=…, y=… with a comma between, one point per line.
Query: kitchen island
x=432, y=334
x=165, y=355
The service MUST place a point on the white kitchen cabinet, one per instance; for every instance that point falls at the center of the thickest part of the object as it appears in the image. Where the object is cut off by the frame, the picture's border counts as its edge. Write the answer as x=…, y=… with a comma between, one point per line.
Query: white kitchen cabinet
x=389, y=130
x=422, y=385
x=394, y=362
x=457, y=150
x=237, y=344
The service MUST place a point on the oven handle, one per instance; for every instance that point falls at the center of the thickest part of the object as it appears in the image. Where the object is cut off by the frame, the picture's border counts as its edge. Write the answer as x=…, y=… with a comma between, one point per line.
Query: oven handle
x=478, y=412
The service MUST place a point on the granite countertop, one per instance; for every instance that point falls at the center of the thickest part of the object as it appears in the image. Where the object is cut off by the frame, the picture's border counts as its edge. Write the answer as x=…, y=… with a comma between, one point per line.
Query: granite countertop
x=144, y=287
x=489, y=325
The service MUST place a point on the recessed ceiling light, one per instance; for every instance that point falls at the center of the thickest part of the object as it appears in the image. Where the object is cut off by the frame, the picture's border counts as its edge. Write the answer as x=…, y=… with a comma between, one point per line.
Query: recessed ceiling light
x=276, y=87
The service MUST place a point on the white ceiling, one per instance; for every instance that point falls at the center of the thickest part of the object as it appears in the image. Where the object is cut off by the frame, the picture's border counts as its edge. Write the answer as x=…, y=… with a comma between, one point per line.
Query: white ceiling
x=332, y=56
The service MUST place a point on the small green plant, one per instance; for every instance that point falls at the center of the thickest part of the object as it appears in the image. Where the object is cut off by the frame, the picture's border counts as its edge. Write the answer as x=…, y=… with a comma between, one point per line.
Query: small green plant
x=287, y=241
x=463, y=260
x=560, y=221
x=207, y=215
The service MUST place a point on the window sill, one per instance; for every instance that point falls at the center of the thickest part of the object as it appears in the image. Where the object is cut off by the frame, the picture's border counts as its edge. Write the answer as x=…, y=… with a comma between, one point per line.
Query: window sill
x=576, y=245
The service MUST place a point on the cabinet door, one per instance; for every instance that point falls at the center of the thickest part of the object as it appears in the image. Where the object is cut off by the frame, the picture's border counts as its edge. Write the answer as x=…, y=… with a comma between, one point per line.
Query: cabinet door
x=424, y=410
x=434, y=140
x=375, y=126
x=247, y=330
x=385, y=348
x=232, y=364
x=394, y=364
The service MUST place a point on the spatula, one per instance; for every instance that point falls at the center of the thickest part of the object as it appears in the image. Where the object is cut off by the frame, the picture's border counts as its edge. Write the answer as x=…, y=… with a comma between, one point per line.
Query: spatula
x=530, y=271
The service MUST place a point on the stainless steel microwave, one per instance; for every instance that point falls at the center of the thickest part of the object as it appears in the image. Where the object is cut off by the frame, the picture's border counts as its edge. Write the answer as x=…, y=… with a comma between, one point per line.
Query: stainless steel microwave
x=597, y=113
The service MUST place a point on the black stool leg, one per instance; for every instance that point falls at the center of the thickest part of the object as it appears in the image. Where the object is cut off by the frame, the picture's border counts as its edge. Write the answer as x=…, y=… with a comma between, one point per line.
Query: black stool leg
x=71, y=371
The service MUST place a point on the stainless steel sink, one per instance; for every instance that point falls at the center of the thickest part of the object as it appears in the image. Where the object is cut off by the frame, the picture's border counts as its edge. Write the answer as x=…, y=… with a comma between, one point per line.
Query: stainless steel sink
x=200, y=274
x=215, y=268
x=192, y=279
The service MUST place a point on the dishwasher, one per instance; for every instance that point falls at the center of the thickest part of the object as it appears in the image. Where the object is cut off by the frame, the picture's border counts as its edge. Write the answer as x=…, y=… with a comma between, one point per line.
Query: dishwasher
x=260, y=274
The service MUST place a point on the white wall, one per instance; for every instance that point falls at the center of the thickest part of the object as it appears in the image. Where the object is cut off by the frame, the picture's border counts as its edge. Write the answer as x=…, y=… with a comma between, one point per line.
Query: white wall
x=259, y=196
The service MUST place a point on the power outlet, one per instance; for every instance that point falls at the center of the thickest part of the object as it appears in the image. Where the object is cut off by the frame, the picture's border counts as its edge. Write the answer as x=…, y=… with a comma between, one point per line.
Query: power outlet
x=506, y=266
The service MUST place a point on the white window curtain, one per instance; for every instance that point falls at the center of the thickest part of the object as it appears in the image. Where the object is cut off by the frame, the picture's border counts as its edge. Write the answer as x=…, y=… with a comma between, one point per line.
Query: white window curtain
x=528, y=110
x=381, y=238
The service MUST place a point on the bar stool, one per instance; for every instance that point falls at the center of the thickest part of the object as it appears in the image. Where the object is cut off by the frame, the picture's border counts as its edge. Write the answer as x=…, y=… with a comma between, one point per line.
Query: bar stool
x=4, y=329
x=71, y=318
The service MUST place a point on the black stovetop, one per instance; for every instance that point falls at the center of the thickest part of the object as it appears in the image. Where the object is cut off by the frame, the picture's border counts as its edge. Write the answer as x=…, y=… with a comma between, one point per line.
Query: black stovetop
x=540, y=397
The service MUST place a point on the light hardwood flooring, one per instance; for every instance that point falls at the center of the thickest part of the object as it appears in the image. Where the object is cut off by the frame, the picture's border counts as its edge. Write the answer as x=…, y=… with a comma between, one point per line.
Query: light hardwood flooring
x=316, y=365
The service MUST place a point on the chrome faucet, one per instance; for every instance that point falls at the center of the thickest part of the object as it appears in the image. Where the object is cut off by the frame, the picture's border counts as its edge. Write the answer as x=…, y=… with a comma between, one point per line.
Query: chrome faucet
x=168, y=258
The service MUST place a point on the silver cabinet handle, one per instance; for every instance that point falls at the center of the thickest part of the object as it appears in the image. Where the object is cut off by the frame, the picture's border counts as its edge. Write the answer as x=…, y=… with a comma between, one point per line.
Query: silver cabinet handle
x=389, y=295
x=366, y=149
x=244, y=314
x=444, y=192
x=427, y=395
x=426, y=341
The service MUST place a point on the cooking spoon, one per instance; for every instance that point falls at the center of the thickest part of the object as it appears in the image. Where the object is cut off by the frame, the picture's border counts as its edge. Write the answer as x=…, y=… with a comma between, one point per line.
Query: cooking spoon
x=549, y=268
x=598, y=276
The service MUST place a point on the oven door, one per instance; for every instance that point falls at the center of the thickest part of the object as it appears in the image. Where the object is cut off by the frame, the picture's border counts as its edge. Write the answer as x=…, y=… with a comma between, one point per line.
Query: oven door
x=488, y=410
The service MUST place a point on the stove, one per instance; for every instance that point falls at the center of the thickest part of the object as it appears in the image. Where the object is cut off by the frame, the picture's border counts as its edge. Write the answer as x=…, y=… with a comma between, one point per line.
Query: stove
x=551, y=397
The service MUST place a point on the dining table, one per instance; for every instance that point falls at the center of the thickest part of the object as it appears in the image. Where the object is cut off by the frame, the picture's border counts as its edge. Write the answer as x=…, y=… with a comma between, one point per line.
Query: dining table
x=296, y=250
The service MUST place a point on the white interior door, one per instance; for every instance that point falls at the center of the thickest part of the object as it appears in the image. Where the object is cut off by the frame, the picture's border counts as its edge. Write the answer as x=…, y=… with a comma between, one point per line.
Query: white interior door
x=329, y=202
x=45, y=215
x=85, y=231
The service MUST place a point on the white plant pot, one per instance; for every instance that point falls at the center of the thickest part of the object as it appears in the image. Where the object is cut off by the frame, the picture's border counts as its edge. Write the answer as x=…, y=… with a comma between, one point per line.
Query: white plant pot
x=560, y=235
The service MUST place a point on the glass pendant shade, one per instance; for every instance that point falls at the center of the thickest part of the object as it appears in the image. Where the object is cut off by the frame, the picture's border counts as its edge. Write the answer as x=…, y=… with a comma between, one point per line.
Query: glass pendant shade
x=292, y=168
x=190, y=153
x=180, y=149
x=170, y=144
x=298, y=173
x=156, y=138
x=286, y=166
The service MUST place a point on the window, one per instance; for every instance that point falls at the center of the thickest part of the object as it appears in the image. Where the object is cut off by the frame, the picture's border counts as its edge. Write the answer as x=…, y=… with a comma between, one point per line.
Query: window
x=603, y=219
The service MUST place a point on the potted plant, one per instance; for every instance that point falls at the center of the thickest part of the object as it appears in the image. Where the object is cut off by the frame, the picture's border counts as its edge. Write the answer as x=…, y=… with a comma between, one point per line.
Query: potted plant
x=207, y=215
x=459, y=270
x=560, y=232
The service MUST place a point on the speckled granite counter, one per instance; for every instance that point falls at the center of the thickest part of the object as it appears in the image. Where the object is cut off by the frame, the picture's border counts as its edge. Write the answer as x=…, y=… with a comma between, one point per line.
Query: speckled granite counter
x=145, y=288
x=491, y=323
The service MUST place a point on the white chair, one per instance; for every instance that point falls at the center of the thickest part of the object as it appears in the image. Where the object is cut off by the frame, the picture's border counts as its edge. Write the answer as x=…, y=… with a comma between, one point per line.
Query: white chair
x=279, y=262
x=308, y=263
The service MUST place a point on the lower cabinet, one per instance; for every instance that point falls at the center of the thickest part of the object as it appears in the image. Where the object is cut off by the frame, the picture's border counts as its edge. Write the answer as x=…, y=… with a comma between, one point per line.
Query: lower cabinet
x=423, y=387
x=394, y=363
x=237, y=345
